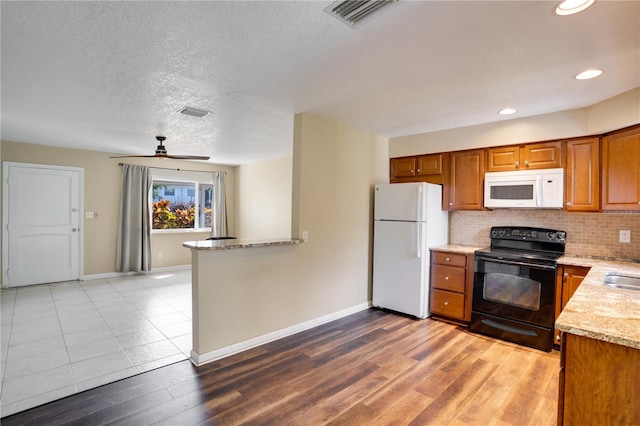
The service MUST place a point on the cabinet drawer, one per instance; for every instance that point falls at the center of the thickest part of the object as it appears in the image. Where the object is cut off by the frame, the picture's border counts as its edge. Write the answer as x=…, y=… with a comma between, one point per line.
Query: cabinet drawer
x=451, y=278
x=452, y=259
x=447, y=303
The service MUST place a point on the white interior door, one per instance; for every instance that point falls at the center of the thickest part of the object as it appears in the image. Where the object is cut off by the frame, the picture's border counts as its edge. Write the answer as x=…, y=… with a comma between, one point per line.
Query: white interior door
x=42, y=207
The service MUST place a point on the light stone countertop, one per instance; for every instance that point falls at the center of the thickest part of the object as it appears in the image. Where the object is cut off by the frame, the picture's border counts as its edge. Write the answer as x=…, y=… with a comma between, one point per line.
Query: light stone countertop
x=239, y=244
x=454, y=248
x=600, y=312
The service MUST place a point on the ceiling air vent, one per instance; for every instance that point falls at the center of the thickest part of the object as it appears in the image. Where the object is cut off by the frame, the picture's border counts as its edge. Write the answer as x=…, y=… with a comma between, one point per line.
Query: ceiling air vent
x=352, y=11
x=195, y=112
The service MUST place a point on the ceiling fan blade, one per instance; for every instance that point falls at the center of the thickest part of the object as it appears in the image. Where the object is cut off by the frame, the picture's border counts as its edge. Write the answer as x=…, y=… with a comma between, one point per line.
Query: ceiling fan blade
x=134, y=156
x=161, y=152
x=186, y=157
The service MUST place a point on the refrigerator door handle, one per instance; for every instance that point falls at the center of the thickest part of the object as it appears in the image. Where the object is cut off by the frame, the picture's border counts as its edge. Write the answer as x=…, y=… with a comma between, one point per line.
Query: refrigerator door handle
x=419, y=241
x=419, y=206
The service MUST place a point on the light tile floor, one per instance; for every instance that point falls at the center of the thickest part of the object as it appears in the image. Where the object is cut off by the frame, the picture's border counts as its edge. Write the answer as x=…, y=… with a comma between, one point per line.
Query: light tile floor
x=61, y=338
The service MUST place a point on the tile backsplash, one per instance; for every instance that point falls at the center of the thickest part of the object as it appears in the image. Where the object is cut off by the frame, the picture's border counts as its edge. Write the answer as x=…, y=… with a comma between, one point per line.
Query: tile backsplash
x=588, y=234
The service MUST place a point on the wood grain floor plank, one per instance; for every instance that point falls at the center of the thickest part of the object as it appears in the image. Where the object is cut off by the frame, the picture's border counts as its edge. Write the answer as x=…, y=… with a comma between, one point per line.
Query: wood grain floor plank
x=445, y=407
x=372, y=368
x=404, y=410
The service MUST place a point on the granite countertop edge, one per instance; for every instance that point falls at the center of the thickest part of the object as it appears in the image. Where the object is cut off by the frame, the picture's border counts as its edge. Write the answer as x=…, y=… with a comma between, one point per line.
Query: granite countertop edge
x=213, y=245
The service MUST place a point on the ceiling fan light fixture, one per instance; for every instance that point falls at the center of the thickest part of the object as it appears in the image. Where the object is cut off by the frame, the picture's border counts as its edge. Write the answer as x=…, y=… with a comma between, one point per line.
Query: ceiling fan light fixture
x=586, y=75
x=194, y=112
x=569, y=7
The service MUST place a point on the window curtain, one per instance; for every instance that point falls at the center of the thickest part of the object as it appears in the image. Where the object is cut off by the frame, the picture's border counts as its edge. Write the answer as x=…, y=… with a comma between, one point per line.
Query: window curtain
x=219, y=225
x=134, y=235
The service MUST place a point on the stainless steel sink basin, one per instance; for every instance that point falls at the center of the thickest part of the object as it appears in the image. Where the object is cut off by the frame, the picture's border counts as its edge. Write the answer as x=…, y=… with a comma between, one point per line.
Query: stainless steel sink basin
x=622, y=281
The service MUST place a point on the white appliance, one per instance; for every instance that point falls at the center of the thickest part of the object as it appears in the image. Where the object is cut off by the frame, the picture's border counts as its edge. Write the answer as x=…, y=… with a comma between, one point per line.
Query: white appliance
x=543, y=189
x=408, y=219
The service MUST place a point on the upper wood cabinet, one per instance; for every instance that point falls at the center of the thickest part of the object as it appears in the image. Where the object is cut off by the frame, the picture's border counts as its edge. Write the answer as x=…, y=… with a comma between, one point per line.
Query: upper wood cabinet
x=465, y=180
x=582, y=183
x=404, y=167
x=621, y=170
x=543, y=155
x=419, y=168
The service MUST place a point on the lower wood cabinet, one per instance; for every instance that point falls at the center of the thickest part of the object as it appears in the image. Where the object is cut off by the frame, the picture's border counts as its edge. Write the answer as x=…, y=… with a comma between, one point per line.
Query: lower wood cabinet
x=598, y=383
x=568, y=279
x=451, y=286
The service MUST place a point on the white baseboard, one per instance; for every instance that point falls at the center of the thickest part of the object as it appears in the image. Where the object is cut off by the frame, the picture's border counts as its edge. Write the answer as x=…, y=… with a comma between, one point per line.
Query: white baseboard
x=201, y=359
x=128, y=274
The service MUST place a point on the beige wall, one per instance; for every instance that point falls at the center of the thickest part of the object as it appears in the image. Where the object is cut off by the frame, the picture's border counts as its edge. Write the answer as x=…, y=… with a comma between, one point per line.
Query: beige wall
x=263, y=202
x=102, y=186
x=243, y=294
x=611, y=114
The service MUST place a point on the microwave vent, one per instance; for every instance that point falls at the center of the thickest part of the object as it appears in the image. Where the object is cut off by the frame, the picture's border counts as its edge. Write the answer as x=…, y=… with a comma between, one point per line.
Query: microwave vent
x=352, y=11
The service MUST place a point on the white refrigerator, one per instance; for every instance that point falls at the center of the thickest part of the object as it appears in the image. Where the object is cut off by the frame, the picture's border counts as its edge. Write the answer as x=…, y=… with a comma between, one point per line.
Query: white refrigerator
x=408, y=220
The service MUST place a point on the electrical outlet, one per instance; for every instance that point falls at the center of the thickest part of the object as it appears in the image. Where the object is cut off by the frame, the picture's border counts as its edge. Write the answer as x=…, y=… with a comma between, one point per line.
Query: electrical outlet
x=89, y=215
x=160, y=255
x=305, y=236
x=625, y=236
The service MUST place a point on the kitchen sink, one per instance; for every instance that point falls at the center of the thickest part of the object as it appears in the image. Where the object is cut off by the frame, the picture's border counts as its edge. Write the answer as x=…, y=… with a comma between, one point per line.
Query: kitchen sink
x=622, y=281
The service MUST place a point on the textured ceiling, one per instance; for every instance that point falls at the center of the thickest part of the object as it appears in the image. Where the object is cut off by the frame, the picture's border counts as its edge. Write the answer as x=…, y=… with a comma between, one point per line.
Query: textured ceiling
x=110, y=76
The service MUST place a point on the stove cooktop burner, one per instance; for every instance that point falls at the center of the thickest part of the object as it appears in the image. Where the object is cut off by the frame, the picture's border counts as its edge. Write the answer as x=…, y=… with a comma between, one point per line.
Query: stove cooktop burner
x=513, y=254
x=537, y=245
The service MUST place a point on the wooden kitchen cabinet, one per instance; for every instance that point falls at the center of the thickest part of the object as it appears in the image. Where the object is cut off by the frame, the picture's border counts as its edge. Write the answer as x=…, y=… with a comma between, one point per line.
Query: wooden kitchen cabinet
x=621, y=170
x=582, y=177
x=464, y=180
x=451, y=286
x=598, y=383
x=419, y=168
x=543, y=155
x=568, y=279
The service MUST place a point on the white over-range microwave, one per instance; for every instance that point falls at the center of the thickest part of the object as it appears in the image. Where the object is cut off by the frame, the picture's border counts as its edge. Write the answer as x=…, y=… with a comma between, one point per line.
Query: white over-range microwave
x=542, y=189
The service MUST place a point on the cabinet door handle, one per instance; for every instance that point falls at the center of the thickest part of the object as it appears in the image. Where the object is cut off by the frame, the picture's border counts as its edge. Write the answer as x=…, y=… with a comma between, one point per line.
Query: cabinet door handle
x=526, y=163
x=558, y=338
x=446, y=303
x=419, y=170
x=447, y=259
x=446, y=278
x=517, y=163
x=569, y=203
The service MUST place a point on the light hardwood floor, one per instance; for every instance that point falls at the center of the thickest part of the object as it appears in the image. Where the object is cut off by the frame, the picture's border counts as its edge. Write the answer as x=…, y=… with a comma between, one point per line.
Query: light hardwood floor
x=371, y=368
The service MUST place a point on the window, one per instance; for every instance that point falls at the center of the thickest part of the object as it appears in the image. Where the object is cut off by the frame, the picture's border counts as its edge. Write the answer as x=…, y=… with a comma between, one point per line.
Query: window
x=181, y=205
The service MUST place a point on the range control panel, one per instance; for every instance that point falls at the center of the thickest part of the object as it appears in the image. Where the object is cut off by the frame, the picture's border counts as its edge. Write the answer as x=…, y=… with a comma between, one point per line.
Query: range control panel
x=528, y=234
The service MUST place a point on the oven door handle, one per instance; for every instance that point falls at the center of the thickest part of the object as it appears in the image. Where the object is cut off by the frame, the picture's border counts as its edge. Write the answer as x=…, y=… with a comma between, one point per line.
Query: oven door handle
x=515, y=262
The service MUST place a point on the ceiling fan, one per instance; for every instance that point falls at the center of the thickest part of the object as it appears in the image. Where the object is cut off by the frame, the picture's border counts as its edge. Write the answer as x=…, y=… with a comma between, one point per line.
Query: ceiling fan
x=161, y=152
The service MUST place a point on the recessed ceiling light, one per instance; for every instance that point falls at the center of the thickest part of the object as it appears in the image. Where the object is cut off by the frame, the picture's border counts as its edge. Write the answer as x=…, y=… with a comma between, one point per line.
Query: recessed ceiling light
x=569, y=7
x=506, y=111
x=586, y=75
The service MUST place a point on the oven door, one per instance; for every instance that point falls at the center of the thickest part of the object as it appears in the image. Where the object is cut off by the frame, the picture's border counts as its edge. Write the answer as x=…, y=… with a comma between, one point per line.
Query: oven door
x=515, y=290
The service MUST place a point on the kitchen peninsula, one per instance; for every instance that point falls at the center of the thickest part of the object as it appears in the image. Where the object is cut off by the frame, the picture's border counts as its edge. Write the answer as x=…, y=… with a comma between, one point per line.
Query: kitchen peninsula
x=600, y=359
x=236, y=285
